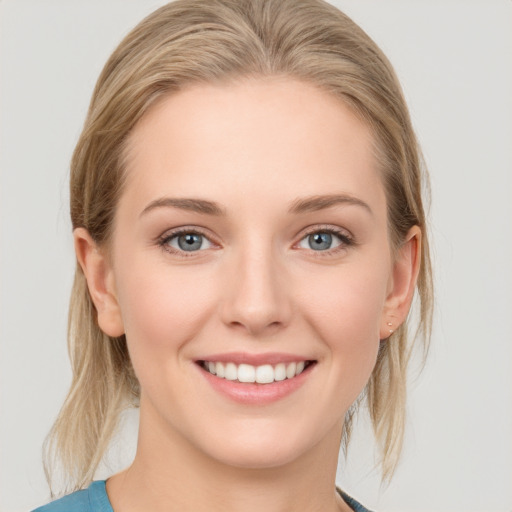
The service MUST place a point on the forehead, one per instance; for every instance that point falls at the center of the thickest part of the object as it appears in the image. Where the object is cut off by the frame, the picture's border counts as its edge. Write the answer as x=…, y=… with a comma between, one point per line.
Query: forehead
x=272, y=136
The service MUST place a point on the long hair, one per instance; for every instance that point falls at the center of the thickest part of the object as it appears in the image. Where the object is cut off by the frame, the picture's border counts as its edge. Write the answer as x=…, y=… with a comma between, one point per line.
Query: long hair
x=194, y=41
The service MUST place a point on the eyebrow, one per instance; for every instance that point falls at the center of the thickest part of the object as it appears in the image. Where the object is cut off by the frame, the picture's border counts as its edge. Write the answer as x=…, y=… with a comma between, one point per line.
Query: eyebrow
x=316, y=203
x=301, y=205
x=190, y=204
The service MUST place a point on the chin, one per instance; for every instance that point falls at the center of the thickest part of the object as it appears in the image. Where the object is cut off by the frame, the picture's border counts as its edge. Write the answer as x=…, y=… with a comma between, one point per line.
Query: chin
x=257, y=458
x=263, y=450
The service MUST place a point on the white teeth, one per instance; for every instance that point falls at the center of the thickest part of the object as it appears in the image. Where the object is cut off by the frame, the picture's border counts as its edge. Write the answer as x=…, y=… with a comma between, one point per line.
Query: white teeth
x=219, y=370
x=231, y=372
x=246, y=373
x=280, y=371
x=290, y=370
x=264, y=374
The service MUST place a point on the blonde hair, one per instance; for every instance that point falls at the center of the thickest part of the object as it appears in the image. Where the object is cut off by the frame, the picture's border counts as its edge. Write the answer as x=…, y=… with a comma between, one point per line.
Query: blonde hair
x=191, y=41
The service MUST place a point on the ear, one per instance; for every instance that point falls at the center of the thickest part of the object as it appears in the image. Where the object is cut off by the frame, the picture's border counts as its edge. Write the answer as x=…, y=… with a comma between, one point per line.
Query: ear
x=100, y=281
x=402, y=283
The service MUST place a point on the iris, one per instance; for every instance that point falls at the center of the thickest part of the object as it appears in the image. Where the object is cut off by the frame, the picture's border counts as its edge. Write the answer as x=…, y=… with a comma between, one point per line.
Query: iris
x=320, y=241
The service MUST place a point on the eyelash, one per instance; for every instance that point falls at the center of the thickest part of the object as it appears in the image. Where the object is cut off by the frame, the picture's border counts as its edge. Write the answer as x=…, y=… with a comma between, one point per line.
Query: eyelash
x=164, y=240
x=346, y=240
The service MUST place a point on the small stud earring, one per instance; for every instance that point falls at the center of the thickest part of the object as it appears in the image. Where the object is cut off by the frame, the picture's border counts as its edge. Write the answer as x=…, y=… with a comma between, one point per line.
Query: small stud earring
x=390, y=330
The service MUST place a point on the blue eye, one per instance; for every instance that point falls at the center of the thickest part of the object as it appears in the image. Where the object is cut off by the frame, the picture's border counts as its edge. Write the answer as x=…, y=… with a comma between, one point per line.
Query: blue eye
x=187, y=241
x=320, y=241
x=323, y=240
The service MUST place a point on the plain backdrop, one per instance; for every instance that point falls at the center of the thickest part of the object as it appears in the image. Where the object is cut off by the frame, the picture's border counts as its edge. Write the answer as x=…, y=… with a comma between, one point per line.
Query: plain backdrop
x=454, y=60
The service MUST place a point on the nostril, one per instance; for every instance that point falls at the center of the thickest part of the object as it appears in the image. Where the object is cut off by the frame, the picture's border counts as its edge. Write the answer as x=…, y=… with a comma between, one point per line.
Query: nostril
x=255, y=327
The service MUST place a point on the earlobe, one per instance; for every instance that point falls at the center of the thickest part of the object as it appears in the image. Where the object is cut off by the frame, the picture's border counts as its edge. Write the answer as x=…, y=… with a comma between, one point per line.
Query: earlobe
x=402, y=283
x=100, y=281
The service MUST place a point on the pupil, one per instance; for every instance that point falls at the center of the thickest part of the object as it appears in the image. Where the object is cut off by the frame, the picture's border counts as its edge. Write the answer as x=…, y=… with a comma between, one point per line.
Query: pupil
x=319, y=241
x=190, y=242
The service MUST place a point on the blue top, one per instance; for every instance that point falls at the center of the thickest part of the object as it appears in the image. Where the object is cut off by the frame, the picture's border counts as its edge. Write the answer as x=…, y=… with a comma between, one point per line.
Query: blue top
x=92, y=499
x=95, y=499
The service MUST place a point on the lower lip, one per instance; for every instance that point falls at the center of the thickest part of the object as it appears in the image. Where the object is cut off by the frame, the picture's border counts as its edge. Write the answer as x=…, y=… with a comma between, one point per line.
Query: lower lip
x=256, y=394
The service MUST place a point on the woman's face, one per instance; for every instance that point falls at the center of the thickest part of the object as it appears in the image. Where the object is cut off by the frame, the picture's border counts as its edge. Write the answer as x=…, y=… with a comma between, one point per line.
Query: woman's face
x=251, y=240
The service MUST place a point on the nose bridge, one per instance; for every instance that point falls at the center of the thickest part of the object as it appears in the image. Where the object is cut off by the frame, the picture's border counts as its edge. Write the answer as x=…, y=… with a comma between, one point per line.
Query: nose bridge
x=256, y=296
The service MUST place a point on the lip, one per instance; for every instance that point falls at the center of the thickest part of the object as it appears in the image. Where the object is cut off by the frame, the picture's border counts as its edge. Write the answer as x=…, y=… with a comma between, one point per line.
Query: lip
x=255, y=394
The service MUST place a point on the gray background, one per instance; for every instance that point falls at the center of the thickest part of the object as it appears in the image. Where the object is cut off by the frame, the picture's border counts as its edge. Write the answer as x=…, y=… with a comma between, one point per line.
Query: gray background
x=454, y=60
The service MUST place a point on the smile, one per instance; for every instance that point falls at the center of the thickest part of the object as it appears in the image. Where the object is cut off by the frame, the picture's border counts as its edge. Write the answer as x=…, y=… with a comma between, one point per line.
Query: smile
x=262, y=374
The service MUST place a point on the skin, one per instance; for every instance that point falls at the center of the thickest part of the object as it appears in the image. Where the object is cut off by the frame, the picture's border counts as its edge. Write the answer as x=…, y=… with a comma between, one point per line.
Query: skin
x=255, y=147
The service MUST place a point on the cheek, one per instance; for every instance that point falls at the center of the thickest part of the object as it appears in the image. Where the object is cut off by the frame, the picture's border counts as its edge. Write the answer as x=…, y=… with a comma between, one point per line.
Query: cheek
x=345, y=309
x=162, y=308
x=347, y=303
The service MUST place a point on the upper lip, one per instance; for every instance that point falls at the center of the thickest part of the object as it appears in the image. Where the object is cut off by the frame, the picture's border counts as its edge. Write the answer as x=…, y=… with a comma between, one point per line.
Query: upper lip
x=271, y=358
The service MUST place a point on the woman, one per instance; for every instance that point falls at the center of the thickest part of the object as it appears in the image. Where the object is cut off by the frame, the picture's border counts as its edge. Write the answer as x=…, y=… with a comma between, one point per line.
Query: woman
x=249, y=231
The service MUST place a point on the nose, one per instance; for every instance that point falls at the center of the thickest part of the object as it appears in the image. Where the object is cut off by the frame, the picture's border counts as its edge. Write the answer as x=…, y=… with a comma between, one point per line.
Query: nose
x=256, y=296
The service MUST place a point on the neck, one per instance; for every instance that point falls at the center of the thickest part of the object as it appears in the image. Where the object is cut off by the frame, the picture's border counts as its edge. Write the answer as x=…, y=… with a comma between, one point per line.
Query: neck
x=169, y=473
